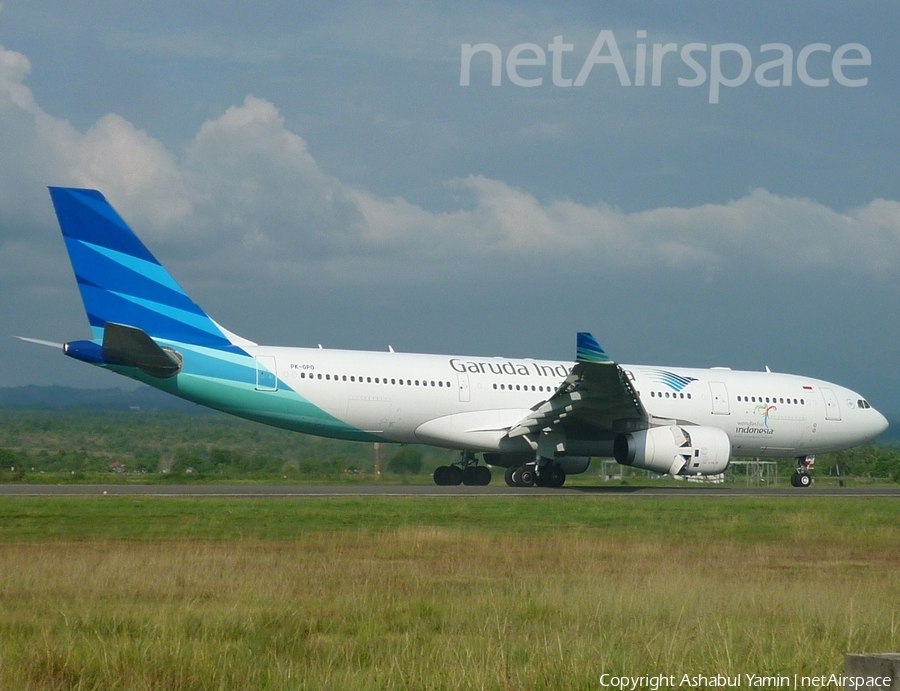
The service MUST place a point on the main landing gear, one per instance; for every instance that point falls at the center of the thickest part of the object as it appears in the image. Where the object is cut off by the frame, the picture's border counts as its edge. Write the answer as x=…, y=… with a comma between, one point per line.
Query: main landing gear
x=542, y=472
x=544, y=475
x=801, y=476
x=466, y=472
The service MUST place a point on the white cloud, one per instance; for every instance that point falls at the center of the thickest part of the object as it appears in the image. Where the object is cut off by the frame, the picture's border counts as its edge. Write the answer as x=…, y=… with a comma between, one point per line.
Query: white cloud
x=255, y=180
x=38, y=149
x=247, y=192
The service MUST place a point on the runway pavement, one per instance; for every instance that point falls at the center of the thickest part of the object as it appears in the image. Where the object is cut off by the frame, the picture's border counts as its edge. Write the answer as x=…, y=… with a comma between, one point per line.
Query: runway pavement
x=385, y=490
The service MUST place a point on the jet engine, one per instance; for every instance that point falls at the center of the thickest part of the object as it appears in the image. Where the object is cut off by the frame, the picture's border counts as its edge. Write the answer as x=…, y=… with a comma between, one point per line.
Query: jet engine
x=574, y=465
x=676, y=450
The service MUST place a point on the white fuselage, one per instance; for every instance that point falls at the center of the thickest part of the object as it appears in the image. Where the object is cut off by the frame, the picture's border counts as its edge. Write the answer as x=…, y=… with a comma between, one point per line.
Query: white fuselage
x=471, y=402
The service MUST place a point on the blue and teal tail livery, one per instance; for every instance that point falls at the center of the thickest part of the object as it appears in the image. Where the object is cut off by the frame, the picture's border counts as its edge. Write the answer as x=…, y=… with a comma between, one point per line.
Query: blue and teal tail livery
x=120, y=281
x=589, y=350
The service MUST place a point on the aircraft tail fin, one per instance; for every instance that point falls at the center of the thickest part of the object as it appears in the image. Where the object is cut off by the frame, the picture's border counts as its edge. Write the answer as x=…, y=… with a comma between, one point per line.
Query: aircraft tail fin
x=120, y=281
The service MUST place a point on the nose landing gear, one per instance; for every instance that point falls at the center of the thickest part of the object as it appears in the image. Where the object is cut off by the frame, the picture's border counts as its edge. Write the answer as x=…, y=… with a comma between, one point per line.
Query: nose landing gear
x=801, y=476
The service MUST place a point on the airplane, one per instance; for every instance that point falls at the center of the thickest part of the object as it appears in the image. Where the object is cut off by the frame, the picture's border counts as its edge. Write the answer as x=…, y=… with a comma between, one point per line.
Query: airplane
x=539, y=420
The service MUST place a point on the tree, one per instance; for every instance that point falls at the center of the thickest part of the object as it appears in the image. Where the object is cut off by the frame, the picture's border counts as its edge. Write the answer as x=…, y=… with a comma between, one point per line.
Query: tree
x=407, y=461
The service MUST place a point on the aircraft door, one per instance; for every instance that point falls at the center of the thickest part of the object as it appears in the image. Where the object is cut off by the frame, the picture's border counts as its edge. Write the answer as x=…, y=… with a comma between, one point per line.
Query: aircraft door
x=266, y=373
x=719, y=398
x=832, y=410
x=463, y=380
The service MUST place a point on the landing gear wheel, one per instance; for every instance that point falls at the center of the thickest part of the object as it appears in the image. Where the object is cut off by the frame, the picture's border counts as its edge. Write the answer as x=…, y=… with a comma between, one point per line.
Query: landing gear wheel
x=524, y=476
x=556, y=476
x=510, y=482
x=801, y=479
x=478, y=475
x=440, y=475
x=453, y=475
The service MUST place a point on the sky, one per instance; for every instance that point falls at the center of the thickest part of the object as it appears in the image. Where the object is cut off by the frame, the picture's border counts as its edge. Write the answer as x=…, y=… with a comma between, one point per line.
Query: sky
x=318, y=173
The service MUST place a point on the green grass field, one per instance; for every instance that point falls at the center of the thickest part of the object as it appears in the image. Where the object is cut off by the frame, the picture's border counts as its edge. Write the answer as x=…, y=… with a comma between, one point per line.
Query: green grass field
x=438, y=593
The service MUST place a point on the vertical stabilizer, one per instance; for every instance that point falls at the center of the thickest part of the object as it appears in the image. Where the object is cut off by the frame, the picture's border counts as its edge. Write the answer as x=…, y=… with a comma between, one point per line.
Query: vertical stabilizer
x=120, y=280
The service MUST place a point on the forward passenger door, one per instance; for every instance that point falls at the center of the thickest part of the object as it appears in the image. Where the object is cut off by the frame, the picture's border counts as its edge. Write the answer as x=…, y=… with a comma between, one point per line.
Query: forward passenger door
x=719, y=394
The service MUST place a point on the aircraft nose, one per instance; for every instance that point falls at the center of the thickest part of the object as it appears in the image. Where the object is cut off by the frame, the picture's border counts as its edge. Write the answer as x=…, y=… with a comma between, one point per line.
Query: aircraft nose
x=880, y=423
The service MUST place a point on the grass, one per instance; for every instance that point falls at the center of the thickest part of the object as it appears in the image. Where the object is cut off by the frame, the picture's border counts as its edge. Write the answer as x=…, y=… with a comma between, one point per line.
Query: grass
x=416, y=593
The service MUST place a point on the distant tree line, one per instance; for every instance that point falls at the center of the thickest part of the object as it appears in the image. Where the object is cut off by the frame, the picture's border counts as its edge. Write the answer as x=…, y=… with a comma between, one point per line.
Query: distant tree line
x=170, y=445
x=173, y=445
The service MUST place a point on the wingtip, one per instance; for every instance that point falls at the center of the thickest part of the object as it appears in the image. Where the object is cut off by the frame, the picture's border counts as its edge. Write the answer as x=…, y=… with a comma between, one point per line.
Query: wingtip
x=588, y=350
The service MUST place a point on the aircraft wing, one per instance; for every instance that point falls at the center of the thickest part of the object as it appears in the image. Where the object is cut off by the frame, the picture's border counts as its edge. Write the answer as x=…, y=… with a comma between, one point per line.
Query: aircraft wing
x=597, y=395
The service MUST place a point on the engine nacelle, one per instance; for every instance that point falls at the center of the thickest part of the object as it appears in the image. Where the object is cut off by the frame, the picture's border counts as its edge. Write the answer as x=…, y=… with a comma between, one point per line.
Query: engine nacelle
x=574, y=465
x=675, y=450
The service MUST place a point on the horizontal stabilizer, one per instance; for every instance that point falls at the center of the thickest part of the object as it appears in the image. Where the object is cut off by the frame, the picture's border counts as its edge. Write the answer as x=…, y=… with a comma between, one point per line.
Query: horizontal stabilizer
x=131, y=347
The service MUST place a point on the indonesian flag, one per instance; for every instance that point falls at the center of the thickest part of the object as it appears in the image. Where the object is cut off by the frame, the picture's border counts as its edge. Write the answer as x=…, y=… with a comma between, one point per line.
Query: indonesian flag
x=807, y=388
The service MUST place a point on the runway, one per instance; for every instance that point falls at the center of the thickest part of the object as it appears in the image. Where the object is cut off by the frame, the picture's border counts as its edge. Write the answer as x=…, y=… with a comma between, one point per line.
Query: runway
x=375, y=490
